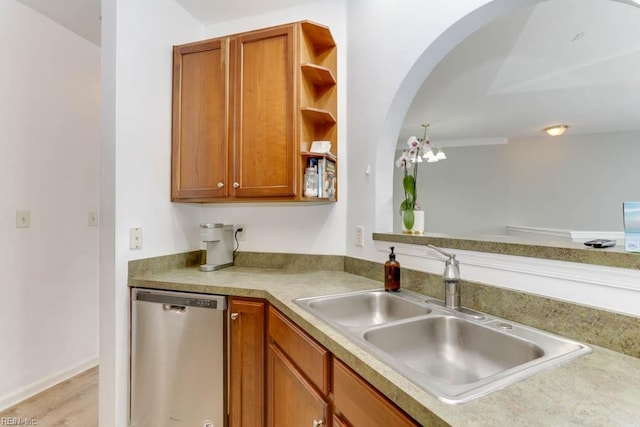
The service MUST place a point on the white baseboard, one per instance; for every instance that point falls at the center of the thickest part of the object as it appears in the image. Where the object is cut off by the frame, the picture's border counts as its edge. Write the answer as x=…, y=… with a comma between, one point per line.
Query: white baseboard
x=36, y=387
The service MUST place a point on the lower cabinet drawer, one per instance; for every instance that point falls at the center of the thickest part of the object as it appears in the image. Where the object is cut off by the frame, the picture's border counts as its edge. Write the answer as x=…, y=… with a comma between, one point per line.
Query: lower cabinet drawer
x=357, y=403
x=311, y=358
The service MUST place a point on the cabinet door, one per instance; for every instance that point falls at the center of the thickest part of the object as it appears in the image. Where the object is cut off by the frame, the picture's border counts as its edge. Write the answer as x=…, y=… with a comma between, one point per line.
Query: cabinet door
x=200, y=132
x=264, y=145
x=246, y=363
x=291, y=400
x=357, y=402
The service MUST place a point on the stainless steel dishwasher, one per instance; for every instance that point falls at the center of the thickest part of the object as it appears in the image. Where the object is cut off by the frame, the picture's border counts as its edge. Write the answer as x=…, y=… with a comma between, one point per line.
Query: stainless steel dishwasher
x=178, y=360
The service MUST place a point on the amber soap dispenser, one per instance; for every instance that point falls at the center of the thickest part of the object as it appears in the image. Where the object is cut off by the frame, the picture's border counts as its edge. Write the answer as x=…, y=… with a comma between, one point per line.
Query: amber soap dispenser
x=392, y=273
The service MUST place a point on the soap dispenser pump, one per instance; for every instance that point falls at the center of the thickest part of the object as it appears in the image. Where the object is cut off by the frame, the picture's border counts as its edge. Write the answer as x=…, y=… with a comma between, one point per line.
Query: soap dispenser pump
x=392, y=273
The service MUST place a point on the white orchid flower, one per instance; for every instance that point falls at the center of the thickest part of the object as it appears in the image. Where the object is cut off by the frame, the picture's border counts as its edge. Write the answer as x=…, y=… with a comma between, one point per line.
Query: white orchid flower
x=403, y=159
x=413, y=143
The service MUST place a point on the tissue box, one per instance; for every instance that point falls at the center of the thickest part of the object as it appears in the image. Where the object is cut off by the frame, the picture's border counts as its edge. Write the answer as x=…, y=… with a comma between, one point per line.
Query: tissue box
x=631, y=219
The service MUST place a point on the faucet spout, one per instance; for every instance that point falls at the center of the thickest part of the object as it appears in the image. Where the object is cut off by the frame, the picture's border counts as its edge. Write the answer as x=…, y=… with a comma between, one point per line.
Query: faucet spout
x=451, y=279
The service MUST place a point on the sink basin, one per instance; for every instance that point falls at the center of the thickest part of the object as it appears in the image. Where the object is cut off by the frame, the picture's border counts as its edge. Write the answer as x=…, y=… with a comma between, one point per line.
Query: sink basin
x=455, y=355
x=365, y=308
x=453, y=350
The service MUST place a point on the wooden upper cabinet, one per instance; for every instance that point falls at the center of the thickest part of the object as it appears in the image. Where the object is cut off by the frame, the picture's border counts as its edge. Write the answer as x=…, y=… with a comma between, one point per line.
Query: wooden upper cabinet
x=200, y=149
x=265, y=119
x=246, y=109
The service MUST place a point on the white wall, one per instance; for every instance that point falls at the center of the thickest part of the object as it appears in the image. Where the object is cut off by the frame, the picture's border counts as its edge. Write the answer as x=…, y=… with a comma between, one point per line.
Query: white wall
x=295, y=227
x=135, y=182
x=574, y=182
x=49, y=139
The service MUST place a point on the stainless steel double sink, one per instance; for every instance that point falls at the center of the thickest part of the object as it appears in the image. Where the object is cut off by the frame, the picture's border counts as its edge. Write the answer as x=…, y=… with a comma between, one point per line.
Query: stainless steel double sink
x=455, y=355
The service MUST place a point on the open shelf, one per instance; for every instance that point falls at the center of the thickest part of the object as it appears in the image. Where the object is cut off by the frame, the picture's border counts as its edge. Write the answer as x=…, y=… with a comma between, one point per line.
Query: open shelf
x=317, y=115
x=318, y=75
x=319, y=35
x=318, y=99
x=330, y=156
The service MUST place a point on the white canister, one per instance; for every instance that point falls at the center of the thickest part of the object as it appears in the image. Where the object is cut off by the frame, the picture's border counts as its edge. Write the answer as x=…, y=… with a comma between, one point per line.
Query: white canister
x=311, y=182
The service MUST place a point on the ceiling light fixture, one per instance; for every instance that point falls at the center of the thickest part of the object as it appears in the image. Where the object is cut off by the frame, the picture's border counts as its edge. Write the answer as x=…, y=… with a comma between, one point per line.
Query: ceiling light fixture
x=429, y=154
x=556, y=130
x=432, y=157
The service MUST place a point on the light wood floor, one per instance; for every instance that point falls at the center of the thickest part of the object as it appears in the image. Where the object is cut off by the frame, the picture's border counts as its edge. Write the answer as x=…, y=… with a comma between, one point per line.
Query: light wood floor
x=72, y=403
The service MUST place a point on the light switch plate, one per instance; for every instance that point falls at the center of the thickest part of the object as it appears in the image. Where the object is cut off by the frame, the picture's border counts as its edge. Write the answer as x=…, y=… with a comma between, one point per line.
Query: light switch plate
x=359, y=236
x=135, y=238
x=93, y=219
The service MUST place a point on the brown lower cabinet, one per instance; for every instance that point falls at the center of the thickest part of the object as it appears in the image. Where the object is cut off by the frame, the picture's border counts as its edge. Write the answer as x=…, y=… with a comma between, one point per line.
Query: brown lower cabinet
x=302, y=383
x=247, y=347
x=297, y=376
x=291, y=400
x=356, y=403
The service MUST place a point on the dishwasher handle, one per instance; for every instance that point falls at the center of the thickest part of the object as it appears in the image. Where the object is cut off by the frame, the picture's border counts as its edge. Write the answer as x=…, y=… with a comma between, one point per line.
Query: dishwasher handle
x=174, y=308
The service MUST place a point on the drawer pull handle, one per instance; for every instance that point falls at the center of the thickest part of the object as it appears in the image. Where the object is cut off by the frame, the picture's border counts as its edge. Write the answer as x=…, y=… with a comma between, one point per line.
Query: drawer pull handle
x=220, y=184
x=234, y=316
x=236, y=184
x=318, y=423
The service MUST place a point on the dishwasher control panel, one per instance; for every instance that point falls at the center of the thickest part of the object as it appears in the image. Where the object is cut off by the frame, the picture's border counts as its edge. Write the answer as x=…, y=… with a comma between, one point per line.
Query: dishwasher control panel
x=215, y=302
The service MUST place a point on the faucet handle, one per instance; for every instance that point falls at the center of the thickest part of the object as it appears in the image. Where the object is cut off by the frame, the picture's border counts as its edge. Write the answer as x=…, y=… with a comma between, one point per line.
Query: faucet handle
x=448, y=255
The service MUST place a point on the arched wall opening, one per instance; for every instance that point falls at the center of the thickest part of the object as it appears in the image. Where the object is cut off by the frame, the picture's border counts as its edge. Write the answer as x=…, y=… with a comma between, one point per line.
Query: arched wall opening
x=423, y=66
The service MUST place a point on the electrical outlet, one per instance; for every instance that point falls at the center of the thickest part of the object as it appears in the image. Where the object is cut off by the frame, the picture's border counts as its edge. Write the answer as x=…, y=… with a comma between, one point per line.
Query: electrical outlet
x=135, y=238
x=240, y=235
x=23, y=219
x=359, y=236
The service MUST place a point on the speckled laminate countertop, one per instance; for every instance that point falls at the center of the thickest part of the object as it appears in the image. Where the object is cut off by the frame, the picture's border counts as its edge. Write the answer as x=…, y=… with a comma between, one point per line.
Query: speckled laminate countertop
x=599, y=389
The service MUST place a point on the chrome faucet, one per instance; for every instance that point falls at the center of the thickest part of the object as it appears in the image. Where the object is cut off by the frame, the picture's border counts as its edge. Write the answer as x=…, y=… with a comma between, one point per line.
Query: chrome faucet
x=451, y=278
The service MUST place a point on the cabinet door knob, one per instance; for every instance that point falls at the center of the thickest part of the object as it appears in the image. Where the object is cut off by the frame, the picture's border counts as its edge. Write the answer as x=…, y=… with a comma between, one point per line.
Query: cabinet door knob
x=220, y=184
x=236, y=184
x=318, y=423
x=234, y=316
